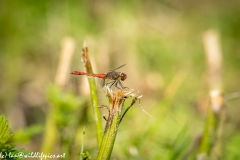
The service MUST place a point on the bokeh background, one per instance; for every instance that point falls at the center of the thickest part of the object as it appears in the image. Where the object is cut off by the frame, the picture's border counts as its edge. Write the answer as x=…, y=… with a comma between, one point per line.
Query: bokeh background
x=162, y=44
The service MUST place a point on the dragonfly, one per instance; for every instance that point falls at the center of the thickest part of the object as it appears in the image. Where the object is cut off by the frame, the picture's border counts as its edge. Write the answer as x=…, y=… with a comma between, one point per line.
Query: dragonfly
x=114, y=77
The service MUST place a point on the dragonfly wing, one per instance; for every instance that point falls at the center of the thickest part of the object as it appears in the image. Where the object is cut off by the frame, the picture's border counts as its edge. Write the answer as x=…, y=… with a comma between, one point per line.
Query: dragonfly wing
x=102, y=83
x=117, y=68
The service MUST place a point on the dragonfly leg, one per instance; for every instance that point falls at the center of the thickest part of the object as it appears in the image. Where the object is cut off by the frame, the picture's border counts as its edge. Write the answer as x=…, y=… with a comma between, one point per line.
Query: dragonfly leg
x=114, y=82
x=122, y=85
x=103, y=84
x=111, y=82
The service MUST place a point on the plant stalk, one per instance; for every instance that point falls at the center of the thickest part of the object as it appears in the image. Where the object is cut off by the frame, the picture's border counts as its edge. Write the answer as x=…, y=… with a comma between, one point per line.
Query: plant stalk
x=209, y=133
x=214, y=61
x=115, y=109
x=94, y=96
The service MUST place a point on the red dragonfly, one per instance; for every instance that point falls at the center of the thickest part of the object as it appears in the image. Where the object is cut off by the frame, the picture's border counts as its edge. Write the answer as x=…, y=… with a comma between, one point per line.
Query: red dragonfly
x=112, y=75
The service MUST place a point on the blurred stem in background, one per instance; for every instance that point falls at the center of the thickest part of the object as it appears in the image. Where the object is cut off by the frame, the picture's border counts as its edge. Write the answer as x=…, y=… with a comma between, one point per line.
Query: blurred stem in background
x=94, y=96
x=214, y=62
x=51, y=133
x=82, y=147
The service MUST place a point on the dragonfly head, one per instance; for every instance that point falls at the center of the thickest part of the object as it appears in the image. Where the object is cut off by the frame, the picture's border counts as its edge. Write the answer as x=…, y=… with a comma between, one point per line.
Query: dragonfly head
x=123, y=76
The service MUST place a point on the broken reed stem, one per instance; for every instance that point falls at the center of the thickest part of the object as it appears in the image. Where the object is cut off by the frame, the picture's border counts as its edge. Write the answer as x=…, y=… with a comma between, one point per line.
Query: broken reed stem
x=68, y=47
x=94, y=96
x=116, y=101
x=214, y=62
x=51, y=133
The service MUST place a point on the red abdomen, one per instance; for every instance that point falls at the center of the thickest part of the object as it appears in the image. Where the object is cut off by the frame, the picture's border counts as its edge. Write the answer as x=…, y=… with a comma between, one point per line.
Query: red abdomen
x=101, y=75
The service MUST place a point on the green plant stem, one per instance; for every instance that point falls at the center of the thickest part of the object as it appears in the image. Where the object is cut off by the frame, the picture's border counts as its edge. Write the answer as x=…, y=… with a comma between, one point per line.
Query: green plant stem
x=209, y=133
x=50, y=134
x=65, y=149
x=82, y=147
x=97, y=115
x=94, y=97
x=113, y=121
x=109, y=138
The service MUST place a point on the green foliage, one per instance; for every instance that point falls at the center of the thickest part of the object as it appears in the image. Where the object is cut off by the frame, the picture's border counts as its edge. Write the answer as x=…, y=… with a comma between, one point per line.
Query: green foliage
x=179, y=145
x=86, y=156
x=26, y=134
x=5, y=132
x=65, y=115
x=8, y=150
x=65, y=106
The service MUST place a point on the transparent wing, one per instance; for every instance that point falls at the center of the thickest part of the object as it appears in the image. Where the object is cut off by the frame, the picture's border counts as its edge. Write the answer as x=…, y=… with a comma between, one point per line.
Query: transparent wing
x=102, y=83
x=117, y=68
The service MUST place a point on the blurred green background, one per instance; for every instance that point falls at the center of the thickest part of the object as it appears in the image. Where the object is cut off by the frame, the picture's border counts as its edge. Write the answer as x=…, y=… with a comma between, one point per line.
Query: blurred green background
x=162, y=44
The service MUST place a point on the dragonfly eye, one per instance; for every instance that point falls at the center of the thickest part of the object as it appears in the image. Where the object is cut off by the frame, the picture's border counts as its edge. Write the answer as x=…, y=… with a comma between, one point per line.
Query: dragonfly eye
x=123, y=76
